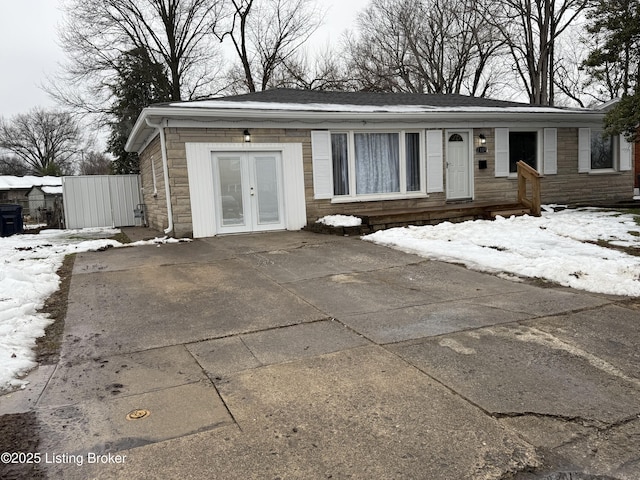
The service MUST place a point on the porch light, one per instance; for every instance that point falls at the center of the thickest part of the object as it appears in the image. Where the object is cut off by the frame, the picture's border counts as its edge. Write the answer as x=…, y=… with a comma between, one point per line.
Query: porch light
x=247, y=136
x=482, y=141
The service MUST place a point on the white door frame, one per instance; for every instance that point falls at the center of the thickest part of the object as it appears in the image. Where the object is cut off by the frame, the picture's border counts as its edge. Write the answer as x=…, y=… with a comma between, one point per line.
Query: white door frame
x=469, y=191
x=200, y=170
x=250, y=192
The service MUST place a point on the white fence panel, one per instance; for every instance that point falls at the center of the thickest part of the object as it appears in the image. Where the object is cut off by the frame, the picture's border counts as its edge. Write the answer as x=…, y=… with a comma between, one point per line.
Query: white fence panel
x=100, y=200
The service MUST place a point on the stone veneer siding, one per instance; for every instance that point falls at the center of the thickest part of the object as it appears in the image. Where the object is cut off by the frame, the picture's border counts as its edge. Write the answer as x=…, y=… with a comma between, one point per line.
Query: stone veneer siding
x=568, y=186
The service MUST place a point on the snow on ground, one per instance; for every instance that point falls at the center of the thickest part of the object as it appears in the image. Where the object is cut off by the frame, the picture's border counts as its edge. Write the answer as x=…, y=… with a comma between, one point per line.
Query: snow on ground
x=556, y=246
x=340, y=221
x=28, y=266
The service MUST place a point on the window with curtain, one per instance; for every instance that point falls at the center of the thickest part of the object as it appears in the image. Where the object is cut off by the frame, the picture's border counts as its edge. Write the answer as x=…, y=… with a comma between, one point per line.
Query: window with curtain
x=377, y=162
x=412, y=141
x=339, y=156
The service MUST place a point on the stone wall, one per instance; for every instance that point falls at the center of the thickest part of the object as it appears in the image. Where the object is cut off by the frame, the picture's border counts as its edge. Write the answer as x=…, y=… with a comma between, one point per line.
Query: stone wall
x=568, y=186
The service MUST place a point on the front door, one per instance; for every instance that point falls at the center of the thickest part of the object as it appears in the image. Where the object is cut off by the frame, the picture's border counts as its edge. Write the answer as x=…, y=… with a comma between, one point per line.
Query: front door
x=248, y=191
x=458, y=166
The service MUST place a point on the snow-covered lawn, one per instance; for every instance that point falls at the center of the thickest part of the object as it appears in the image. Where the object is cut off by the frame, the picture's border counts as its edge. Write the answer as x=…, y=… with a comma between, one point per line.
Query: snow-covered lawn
x=559, y=246
x=28, y=266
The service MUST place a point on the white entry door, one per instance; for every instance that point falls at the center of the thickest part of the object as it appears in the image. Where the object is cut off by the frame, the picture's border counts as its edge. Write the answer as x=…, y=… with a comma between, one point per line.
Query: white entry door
x=248, y=191
x=458, y=166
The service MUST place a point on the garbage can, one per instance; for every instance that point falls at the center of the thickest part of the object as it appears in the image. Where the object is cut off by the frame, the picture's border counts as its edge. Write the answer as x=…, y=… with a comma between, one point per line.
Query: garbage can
x=10, y=220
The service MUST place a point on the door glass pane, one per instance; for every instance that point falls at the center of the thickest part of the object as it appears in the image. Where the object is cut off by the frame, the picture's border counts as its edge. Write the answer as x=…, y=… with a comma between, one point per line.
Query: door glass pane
x=267, y=189
x=230, y=173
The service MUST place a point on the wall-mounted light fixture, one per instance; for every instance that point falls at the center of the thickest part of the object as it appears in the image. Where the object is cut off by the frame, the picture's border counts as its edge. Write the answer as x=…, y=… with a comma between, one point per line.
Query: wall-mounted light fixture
x=482, y=140
x=247, y=136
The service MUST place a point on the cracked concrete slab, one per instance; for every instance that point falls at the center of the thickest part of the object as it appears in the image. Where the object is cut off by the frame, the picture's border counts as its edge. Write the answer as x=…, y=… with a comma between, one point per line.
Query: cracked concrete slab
x=100, y=426
x=103, y=378
x=225, y=356
x=166, y=305
x=613, y=452
x=543, y=302
x=512, y=394
x=427, y=321
x=361, y=413
x=520, y=370
x=611, y=331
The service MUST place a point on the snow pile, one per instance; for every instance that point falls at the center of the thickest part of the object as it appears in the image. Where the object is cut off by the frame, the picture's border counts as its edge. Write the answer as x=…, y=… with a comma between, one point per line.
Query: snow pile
x=340, y=221
x=27, y=278
x=28, y=266
x=558, y=246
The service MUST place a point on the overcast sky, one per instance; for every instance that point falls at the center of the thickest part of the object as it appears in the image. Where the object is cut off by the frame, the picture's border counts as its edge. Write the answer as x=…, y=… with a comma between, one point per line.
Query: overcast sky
x=29, y=51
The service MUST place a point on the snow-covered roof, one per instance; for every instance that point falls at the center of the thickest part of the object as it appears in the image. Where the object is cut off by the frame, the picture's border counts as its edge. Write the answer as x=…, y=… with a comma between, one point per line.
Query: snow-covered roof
x=52, y=190
x=8, y=182
x=289, y=108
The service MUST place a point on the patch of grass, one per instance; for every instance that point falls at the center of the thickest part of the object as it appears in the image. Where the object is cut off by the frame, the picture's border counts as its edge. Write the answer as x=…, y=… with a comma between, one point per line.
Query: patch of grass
x=628, y=250
x=48, y=347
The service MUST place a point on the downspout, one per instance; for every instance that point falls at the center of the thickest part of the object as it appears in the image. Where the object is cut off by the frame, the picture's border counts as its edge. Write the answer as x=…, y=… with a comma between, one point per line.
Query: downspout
x=165, y=168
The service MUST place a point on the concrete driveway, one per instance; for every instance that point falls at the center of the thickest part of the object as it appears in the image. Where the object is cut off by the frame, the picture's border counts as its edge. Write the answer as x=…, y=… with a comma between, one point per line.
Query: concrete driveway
x=296, y=355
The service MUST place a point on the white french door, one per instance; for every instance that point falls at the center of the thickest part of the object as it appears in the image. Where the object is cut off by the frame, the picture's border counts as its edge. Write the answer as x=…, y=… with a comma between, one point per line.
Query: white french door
x=248, y=191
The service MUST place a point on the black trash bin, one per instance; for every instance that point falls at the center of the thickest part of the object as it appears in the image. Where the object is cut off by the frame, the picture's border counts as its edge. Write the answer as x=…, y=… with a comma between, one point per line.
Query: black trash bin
x=10, y=220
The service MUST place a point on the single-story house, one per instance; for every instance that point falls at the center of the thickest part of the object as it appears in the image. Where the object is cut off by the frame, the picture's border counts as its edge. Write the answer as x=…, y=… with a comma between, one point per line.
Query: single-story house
x=281, y=159
x=15, y=189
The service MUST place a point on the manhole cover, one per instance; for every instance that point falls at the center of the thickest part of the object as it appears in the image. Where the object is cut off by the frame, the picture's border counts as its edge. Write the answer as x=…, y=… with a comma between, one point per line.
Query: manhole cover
x=138, y=414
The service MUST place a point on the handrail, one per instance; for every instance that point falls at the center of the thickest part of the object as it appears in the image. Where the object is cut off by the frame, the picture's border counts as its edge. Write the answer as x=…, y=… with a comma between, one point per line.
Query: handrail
x=528, y=173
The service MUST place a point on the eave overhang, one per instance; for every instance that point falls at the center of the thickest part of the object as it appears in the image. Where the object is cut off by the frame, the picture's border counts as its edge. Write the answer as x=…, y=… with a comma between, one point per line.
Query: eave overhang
x=325, y=117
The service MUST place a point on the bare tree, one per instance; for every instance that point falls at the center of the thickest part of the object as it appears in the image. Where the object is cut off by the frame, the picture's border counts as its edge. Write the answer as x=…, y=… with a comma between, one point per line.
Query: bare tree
x=173, y=33
x=12, y=165
x=46, y=141
x=266, y=35
x=426, y=46
x=324, y=71
x=94, y=163
x=531, y=29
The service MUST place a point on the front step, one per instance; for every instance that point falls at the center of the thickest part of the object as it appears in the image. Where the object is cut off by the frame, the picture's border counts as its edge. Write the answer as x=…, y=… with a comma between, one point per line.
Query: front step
x=510, y=212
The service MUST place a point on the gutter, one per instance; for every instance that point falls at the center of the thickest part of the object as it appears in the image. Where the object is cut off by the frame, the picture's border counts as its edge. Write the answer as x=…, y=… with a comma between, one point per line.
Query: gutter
x=165, y=168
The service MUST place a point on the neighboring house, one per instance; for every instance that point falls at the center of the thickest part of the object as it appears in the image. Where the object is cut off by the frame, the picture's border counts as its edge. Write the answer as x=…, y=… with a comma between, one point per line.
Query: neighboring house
x=16, y=189
x=43, y=201
x=281, y=159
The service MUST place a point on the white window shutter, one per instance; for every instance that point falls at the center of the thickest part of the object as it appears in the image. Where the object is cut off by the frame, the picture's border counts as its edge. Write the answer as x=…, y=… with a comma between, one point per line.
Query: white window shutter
x=626, y=154
x=550, y=163
x=322, y=164
x=584, y=150
x=502, y=152
x=435, y=167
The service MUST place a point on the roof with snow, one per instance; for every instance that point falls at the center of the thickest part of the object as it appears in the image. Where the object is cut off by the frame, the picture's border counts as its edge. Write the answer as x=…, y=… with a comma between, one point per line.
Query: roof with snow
x=308, y=109
x=319, y=97
x=9, y=182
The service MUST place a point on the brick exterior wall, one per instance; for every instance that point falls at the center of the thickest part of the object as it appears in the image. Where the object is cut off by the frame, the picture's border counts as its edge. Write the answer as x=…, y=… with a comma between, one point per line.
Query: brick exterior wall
x=568, y=186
